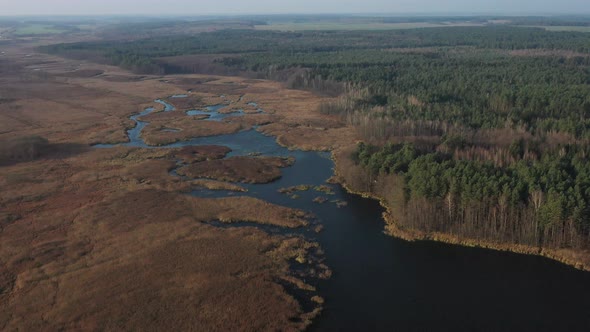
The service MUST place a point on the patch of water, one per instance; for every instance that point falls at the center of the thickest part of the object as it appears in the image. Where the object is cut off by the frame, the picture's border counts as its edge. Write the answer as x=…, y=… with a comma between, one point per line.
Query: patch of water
x=171, y=130
x=167, y=106
x=213, y=113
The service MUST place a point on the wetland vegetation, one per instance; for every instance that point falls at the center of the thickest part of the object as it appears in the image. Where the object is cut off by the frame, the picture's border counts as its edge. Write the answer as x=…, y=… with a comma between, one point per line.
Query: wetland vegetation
x=192, y=157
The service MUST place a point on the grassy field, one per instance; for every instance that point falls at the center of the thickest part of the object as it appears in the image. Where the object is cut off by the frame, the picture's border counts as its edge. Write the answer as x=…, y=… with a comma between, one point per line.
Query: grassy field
x=357, y=26
x=37, y=29
x=296, y=26
x=563, y=28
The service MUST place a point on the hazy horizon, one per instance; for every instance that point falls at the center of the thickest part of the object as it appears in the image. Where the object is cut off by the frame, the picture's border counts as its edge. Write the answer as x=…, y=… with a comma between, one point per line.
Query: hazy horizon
x=265, y=7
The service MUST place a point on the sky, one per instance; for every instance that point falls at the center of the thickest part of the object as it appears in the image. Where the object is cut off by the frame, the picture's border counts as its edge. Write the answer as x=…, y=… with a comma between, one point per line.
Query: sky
x=235, y=7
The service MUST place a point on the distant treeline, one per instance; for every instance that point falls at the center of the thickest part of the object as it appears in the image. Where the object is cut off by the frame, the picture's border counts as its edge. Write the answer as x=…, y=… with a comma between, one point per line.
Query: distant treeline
x=244, y=41
x=573, y=20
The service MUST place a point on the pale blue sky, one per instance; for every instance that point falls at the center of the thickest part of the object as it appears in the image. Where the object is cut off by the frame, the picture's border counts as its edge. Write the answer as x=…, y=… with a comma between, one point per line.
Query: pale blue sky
x=233, y=7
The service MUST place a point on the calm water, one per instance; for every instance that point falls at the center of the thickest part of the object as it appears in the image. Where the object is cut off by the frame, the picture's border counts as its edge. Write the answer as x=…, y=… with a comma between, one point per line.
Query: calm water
x=213, y=114
x=384, y=284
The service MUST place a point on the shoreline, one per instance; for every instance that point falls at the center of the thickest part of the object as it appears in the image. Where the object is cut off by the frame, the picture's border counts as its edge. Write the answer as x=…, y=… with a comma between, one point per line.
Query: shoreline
x=563, y=256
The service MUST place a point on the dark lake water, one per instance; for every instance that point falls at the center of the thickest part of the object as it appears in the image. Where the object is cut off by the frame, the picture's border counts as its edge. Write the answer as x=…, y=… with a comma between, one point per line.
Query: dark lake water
x=381, y=283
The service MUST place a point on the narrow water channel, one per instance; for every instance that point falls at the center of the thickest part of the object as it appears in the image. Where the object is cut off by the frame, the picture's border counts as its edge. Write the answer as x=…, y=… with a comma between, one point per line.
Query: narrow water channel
x=381, y=283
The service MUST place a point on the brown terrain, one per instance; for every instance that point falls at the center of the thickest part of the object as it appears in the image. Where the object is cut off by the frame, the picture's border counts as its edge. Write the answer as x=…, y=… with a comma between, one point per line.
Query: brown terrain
x=109, y=239
x=217, y=185
x=185, y=127
x=239, y=169
x=192, y=154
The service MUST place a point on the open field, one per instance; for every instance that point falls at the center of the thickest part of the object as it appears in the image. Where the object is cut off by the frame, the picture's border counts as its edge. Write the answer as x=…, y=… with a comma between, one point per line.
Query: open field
x=186, y=127
x=564, y=28
x=239, y=169
x=38, y=29
x=358, y=26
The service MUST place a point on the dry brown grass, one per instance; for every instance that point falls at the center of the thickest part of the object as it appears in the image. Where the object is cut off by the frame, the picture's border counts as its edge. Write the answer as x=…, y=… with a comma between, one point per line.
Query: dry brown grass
x=217, y=185
x=107, y=239
x=241, y=105
x=239, y=209
x=165, y=272
x=239, y=169
x=188, y=128
x=309, y=139
x=193, y=154
x=250, y=120
x=83, y=73
x=190, y=102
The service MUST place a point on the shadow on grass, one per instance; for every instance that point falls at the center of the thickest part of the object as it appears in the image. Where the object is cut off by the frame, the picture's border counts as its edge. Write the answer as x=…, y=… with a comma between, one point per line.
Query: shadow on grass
x=27, y=149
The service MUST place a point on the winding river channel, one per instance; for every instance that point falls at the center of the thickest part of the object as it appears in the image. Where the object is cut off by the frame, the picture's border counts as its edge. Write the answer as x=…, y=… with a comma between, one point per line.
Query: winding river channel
x=381, y=283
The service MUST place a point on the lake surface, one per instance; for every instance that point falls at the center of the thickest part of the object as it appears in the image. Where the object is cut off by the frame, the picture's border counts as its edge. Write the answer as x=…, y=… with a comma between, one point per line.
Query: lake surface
x=381, y=283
